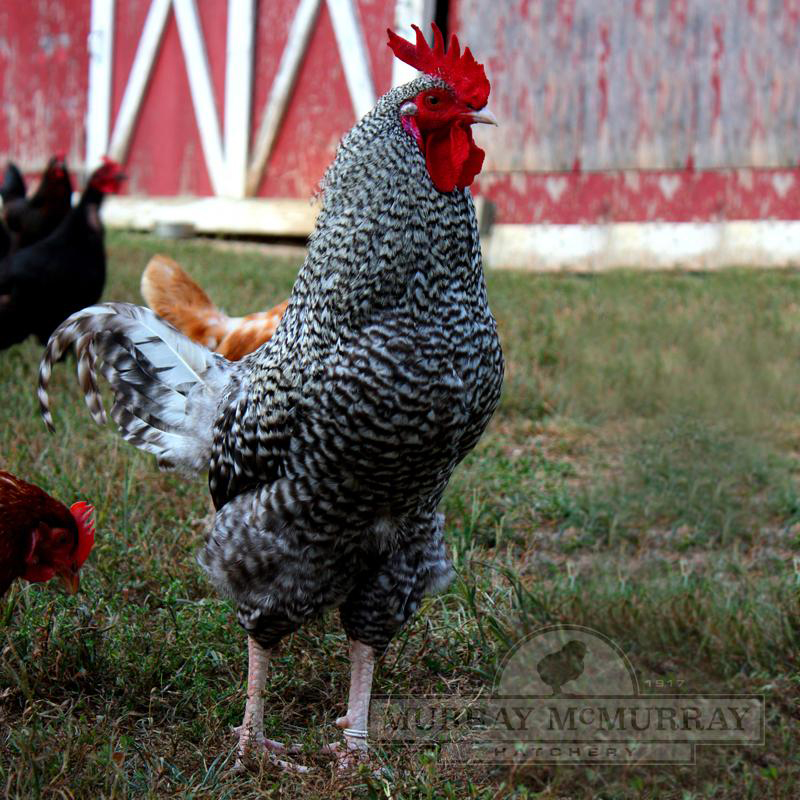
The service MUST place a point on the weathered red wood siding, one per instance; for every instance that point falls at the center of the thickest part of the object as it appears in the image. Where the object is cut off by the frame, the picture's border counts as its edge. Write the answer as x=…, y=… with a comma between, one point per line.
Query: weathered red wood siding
x=610, y=111
x=44, y=68
x=649, y=109
x=321, y=110
x=44, y=75
x=643, y=195
x=649, y=84
x=166, y=156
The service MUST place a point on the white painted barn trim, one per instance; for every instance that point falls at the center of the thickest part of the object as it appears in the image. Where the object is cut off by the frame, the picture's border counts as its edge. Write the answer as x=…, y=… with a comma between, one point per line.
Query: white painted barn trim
x=248, y=216
x=238, y=93
x=406, y=12
x=643, y=245
x=353, y=50
x=143, y=62
x=205, y=110
x=100, y=44
x=233, y=170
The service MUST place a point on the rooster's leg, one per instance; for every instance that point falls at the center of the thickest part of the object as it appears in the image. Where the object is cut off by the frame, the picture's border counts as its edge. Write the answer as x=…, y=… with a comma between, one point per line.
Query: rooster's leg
x=355, y=721
x=251, y=731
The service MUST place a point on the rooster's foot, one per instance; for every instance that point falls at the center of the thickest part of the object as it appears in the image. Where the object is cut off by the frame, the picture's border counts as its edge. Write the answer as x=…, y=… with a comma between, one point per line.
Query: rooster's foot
x=345, y=754
x=247, y=740
x=255, y=744
x=353, y=751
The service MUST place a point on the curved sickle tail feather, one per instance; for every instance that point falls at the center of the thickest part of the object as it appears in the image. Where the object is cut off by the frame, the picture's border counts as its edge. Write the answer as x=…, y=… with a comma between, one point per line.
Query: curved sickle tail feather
x=166, y=388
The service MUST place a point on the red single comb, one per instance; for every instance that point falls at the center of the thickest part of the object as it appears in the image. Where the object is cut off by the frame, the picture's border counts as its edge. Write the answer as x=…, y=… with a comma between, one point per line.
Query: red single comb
x=108, y=177
x=460, y=70
x=83, y=513
x=110, y=164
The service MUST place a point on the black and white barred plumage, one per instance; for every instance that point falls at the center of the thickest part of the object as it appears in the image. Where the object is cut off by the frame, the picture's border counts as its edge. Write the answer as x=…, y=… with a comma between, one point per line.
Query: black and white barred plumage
x=329, y=448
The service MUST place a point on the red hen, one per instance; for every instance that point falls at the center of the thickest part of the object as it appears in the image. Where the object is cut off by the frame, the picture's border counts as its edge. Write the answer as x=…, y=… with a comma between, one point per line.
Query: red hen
x=39, y=536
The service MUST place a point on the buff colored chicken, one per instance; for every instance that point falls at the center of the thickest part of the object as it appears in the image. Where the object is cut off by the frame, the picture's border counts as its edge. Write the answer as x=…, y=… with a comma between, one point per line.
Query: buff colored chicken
x=174, y=296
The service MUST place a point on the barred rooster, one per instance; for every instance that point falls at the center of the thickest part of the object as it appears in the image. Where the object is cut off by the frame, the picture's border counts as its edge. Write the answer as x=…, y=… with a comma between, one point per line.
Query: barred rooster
x=328, y=449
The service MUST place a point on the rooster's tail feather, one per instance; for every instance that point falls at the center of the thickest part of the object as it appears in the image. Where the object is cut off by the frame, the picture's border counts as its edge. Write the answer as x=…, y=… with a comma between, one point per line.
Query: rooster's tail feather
x=166, y=388
x=173, y=295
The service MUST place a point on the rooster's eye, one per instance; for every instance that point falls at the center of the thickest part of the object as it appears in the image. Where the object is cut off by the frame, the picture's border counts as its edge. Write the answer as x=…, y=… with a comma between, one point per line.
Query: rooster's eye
x=432, y=100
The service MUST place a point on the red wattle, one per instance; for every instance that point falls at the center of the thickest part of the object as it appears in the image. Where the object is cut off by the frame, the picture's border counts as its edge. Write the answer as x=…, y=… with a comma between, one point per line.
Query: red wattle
x=452, y=157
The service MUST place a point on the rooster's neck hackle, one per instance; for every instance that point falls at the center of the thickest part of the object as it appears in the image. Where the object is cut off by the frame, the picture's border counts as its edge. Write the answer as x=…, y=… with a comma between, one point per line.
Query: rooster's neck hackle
x=385, y=237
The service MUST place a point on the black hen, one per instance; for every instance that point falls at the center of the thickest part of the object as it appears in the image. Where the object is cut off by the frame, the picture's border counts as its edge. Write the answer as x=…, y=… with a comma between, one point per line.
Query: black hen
x=13, y=186
x=41, y=285
x=30, y=220
x=5, y=240
x=11, y=190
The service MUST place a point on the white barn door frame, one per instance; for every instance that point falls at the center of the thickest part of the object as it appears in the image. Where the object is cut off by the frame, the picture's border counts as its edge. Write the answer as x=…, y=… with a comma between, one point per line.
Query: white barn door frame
x=233, y=170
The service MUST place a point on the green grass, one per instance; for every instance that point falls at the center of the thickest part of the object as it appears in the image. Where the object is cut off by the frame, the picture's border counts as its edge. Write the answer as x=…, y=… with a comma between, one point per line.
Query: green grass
x=640, y=478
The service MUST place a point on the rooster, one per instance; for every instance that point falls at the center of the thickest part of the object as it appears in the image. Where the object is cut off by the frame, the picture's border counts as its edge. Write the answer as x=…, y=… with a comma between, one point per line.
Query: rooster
x=175, y=297
x=30, y=220
x=41, y=285
x=329, y=448
x=39, y=536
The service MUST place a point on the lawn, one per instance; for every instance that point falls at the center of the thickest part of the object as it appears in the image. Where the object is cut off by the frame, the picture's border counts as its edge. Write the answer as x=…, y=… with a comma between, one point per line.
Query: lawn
x=640, y=478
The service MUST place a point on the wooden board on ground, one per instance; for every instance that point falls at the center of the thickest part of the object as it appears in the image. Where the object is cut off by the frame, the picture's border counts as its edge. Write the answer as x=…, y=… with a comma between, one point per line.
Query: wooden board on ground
x=252, y=216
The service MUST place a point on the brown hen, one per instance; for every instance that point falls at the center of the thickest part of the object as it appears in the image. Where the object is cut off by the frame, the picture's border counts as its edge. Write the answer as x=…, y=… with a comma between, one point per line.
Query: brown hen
x=174, y=296
x=39, y=536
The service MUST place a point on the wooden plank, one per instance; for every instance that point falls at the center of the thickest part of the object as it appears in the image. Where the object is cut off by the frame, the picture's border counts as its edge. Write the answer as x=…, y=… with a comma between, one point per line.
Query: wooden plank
x=205, y=109
x=136, y=87
x=281, y=92
x=353, y=52
x=251, y=216
x=98, y=116
x=644, y=245
x=238, y=93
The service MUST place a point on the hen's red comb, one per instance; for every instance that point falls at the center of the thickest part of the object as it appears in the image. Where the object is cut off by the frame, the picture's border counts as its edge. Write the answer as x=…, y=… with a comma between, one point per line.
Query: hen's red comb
x=460, y=70
x=110, y=164
x=83, y=513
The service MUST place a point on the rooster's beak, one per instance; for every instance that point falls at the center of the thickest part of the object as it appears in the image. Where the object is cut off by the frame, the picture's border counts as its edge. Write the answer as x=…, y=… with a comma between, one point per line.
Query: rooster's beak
x=71, y=581
x=484, y=116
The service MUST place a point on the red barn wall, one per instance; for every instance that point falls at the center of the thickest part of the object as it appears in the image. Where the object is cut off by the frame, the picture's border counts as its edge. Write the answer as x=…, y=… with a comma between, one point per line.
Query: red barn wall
x=621, y=110
x=321, y=110
x=166, y=157
x=635, y=110
x=44, y=67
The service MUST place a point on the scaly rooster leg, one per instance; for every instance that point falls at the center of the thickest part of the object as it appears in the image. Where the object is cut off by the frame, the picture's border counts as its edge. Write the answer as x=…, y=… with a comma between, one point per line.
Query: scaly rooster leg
x=251, y=731
x=355, y=721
